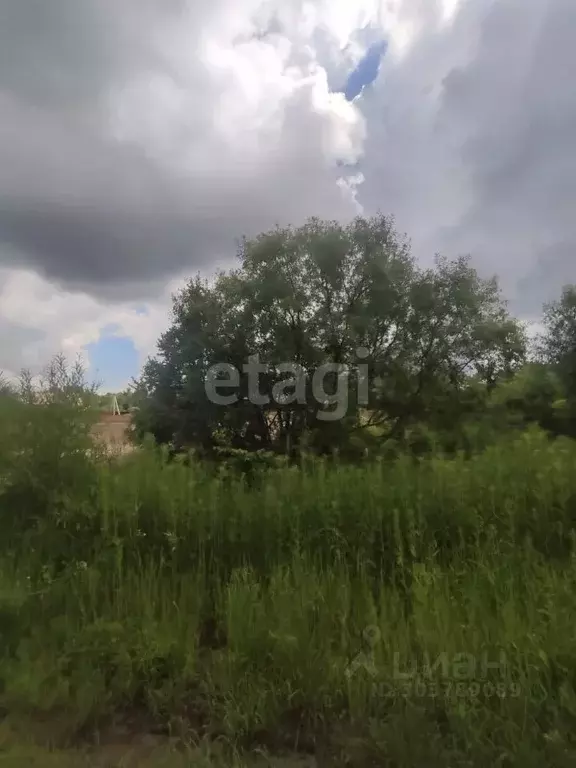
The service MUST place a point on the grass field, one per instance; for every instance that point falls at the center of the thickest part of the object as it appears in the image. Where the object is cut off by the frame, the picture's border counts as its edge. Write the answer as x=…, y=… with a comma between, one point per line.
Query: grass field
x=395, y=614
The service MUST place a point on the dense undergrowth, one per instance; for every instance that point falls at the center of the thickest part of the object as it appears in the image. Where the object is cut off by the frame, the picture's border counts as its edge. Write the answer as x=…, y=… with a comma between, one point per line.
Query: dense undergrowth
x=357, y=613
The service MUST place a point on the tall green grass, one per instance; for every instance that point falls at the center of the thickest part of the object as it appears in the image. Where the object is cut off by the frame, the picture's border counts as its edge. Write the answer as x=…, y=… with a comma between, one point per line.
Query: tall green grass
x=218, y=609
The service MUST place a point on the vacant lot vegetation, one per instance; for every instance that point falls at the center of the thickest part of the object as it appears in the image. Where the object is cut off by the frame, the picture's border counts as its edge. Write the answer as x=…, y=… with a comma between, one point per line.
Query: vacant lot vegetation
x=259, y=584
x=401, y=613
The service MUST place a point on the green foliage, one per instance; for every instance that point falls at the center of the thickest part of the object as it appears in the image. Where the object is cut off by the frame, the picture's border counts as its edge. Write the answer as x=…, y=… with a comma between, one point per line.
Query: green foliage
x=214, y=606
x=558, y=345
x=315, y=296
x=558, y=349
x=225, y=593
x=45, y=445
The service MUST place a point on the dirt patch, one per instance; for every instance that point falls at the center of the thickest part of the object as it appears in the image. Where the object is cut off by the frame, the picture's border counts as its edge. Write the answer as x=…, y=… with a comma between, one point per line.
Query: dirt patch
x=112, y=430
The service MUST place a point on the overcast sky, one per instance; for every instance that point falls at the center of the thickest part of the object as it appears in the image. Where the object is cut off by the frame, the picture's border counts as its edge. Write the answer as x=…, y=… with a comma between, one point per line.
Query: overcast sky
x=140, y=138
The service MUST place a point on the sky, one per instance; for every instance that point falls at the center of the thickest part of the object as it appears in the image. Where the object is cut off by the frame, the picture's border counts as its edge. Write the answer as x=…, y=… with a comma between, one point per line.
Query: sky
x=365, y=72
x=139, y=140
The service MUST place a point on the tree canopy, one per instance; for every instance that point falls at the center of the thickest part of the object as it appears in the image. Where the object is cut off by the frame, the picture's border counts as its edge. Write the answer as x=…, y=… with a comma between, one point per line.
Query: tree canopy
x=557, y=349
x=558, y=344
x=353, y=339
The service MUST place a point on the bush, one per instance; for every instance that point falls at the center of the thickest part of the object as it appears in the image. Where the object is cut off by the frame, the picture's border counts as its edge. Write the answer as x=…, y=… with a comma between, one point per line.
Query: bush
x=232, y=602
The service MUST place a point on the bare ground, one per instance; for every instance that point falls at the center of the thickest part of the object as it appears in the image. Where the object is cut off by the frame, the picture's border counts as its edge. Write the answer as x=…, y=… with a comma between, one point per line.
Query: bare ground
x=112, y=430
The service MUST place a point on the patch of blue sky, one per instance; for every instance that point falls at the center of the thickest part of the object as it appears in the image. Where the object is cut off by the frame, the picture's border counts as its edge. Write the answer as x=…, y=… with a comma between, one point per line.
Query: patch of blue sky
x=113, y=361
x=366, y=71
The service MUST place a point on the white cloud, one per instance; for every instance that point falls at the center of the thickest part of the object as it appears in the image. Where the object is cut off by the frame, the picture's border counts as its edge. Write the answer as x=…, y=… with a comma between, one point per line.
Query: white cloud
x=138, y=148
x=42, y=321
x=206, y=128
x=472, y=140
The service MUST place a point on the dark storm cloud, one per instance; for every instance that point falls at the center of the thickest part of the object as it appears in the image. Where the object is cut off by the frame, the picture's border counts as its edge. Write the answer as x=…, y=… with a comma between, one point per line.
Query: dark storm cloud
x=477, y=151
x=519, y=102
x=91, y=211
x=103, y=217
x=81, y=209
x=68, y=201
x=60, y=53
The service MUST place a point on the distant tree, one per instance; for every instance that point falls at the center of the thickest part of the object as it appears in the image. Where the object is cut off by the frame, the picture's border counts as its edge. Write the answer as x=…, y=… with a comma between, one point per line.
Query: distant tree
x=558, y=343
x=557, y=348
x=403, y=342
x=535, y=395
x=59, y=382
x=46, y=449
x=126, y=399
x=7, y=388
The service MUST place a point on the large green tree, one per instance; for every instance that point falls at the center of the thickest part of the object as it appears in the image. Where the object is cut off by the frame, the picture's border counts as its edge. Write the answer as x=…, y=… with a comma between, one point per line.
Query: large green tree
x=401, y=343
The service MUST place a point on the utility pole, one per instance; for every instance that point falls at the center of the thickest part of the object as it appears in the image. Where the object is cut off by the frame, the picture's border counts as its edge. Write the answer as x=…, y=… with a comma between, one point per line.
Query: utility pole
x=115, y=406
